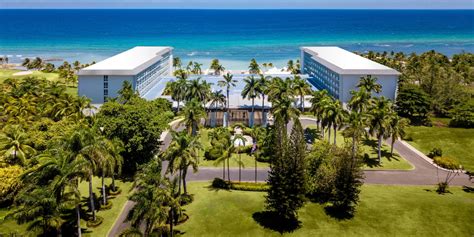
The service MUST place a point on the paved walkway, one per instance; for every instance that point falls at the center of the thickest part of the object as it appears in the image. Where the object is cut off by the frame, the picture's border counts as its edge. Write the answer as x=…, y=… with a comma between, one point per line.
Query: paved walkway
x=424, y=173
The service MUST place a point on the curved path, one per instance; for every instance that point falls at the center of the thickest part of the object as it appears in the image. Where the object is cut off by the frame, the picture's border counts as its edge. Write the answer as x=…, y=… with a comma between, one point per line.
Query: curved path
x=424, y=173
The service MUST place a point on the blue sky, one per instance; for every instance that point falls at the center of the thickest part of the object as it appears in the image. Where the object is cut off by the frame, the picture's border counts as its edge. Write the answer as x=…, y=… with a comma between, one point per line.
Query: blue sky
x=243, y=4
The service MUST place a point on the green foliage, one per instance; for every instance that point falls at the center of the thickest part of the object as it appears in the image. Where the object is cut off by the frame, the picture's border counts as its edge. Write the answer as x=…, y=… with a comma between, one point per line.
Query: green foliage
x=435, y=152
x=220, y=184
x=447, y=162
x=10, y=181
x=413, y=103
x=320, y=172
x=252, y=187
x=138, y=124
x=463, y=116
x=287, y=172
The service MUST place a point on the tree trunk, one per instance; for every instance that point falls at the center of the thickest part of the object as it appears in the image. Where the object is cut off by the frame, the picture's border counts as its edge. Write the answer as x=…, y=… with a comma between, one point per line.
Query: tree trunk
x=185, y=172
x=104, y=195
x=228, y=169
x=227, y=117
x=78, y=216
x=113, y=182
x=302, y=103
x=335, y=133
x=263, y=111
x=171, y=222
x=179, y=183
x=223, y=170
x=178, y=105
x=391, y=147
x=91, y=197
x=240, y=164
x=353, y=146
x=329, y=134
x=380, y=148
x=322, y=131
x=253, y=114
x=255, y=169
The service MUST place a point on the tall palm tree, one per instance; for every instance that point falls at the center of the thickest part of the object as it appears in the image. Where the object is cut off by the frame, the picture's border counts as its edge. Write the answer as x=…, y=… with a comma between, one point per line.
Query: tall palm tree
x=217, y=67
x=177, y=90
x=193, y=112
x=360, y=100
x=110, y=161
x=126, y=93
x=369, y=83
x=318, y=98
x=397, y=129
x=251, y=91
x=182, y=153
x=335, y=116
x=241, y=140
x=14, y=145
x=280, y=88
x=199, y=90
x=254, y=68
x=355, y=128
x=225, y=157
x=379, y=121
x=197, y=68
x=216, y=99
x=301, y=88
x=176, y=63
x=283, y=109
x=227, y=82
x=262, y=88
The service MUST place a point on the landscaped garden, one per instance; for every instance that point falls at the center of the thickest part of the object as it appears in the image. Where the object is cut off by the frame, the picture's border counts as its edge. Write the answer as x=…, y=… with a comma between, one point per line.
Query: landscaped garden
x=383, y=210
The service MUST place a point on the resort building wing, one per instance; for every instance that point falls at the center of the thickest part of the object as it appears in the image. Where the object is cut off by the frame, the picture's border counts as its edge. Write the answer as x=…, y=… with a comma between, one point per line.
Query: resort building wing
x=338, y=71
x=142, y=66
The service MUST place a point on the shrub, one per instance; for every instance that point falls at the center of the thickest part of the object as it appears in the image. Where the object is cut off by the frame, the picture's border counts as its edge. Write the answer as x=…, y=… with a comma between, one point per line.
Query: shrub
x=186, y=199
x=447, y=162
x=92, y=224
x=10, y=184
x=435, y=152
x=254, y=187
x=213, y=154
x=463, y=117
x=220, y=183
x=247, y=131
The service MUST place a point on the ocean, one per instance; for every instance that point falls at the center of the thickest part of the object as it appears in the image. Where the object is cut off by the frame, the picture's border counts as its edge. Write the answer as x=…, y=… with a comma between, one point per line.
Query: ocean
x=233, y=36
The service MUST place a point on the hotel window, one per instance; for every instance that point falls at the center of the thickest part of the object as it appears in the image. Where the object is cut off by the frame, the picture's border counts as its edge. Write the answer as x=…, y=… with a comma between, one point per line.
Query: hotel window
x=106, y=88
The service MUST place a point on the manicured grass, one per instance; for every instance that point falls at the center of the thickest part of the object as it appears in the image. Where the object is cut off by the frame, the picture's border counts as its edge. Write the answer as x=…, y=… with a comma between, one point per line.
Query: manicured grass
x=10, y=226
x=383, y=211
x=455, y=142
x=247, y=160
x=369, y=150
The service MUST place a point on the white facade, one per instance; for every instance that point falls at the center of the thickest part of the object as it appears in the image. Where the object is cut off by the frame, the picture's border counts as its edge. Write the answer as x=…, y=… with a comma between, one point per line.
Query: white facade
x=338, y=71
x=143, y=67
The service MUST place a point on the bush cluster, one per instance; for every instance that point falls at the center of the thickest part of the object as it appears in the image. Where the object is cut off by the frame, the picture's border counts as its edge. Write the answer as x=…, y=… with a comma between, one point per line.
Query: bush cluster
x=447, y=162
x=220, y=184
x=245, y=186
x=435, y=152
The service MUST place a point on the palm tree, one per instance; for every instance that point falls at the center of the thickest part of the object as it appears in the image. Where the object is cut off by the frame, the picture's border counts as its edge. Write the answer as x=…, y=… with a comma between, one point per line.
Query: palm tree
x=335, y=115
x=173, y=202
x=397, y=129
x=126, y=93
x=193, y=112
x=283, y=109
x=369, y=83
x=182, y=153
x=14, y=145
x=225, y=156
x=176, y=63
x=262, y=88
x=217, y=67
x=197, y=89
x=280, y=88
x=150, y=208
x=177, y=90
x=189, y=67
x=197, y=68
x=318, y=101
x=216, y=99
x=290, y=66
x=251, y=92
x=228, y=82
x=379, y=121
x=356, y=124
x=302, y=88
x=360, y=100
x=254, y=68
x=241, y=139
x=110, y=161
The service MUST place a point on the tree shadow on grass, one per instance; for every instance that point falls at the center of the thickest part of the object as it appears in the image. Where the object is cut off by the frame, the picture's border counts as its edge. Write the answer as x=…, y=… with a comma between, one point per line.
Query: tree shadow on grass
x=271, y=220
x=339, y=213
x=468, y=189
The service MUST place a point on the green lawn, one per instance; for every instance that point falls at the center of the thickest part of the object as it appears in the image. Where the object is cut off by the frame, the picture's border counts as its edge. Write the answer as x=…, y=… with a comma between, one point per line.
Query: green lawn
x=8, y=73
x=455, y=142
x=9, y=226
x=247, y=160
x=369, y=149
x=383, y=211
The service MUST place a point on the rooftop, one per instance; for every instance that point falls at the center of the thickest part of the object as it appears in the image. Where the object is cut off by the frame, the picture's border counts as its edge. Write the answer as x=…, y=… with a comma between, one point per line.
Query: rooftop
x=130, y=62
x=345, y=62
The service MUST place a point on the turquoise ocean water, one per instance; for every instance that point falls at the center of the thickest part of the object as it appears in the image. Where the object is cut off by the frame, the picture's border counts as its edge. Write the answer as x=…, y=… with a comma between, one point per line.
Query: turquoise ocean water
x=234, y=36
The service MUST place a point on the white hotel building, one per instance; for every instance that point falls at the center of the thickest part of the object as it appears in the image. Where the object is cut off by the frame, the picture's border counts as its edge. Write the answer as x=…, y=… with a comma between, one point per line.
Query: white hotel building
x=338, y=71
x=143, y=67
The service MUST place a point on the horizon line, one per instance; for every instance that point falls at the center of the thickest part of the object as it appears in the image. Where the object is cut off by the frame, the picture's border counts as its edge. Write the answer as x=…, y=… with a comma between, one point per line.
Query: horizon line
x=240, y=9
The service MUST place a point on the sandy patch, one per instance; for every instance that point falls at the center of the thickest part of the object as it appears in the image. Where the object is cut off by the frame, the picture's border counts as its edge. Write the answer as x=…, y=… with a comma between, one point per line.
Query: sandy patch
x=22, y=73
